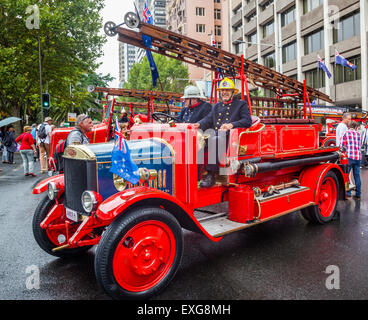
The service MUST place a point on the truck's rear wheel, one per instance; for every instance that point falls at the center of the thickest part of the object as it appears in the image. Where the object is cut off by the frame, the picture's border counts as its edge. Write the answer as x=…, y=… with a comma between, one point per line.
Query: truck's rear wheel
x=51, y=238
x=139, y=253
x=331, y=142
x=325, y=208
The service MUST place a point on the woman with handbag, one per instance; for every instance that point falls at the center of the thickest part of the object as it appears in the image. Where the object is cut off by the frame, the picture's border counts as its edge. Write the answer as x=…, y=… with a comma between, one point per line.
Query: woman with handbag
x=27, y=151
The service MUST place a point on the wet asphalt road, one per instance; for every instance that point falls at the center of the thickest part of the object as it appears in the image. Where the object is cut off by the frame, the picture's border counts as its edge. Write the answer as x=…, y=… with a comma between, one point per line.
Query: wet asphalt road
x=281, y=259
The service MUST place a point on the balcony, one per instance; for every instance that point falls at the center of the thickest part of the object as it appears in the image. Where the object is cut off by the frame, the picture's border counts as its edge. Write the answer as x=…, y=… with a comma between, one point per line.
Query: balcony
x=236, y=4
x=237, y=35
x=250, y=27
x=266, y=15
x=237, y=19
x=248, y=8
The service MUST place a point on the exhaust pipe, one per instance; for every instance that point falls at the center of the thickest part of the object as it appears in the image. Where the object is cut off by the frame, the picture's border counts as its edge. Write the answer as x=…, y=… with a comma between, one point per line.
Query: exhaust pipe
x=251, y=169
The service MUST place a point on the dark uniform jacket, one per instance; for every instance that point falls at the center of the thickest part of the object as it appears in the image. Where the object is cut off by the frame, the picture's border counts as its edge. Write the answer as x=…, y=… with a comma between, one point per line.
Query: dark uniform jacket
x=195, y=113
x=235, y=112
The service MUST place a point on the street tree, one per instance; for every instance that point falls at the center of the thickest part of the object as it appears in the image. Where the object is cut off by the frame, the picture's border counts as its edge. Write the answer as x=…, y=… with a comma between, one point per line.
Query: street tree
x=70, y=41
x=173, y=75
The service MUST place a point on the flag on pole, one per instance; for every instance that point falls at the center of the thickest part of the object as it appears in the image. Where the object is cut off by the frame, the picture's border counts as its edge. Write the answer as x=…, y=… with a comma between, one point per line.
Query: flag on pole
x=339, y=59
x=323, y=66
x=121, y=161
x=213, y=43
x=147, y=18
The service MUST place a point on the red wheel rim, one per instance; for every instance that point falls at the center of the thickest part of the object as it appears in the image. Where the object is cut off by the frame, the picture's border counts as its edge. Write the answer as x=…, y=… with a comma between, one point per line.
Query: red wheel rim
x=58, y=235
x=144, y=256
x=327, y=197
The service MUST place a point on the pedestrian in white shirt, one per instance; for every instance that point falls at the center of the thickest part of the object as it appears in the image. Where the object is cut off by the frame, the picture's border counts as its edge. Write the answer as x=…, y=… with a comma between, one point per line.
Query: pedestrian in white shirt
x=43, y=142
x=342, y=127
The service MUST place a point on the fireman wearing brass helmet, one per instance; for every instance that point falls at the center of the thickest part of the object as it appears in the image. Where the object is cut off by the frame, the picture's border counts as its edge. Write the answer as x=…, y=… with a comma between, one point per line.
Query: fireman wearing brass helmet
x=225, y=115
x=196, y=108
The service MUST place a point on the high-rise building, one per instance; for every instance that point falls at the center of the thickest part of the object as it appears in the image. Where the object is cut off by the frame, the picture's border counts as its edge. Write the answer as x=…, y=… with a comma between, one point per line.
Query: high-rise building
x=127, y=58
x=288, y=35
x=200, y=20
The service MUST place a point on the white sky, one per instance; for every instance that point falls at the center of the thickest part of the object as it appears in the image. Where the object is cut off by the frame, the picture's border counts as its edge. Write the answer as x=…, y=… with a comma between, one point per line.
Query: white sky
x=114, y=11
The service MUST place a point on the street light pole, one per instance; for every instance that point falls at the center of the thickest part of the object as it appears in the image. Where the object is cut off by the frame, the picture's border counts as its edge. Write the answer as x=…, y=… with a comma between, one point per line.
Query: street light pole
x=40, y=68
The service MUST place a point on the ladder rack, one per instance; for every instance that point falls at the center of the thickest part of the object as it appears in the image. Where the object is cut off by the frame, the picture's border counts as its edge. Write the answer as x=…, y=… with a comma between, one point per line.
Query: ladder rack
x=191, y=51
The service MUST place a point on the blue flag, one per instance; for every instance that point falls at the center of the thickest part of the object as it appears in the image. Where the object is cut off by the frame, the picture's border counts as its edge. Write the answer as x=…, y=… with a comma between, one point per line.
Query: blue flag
x=121, y=161
x=147, y=18
x=323, y=66
x=339, y=59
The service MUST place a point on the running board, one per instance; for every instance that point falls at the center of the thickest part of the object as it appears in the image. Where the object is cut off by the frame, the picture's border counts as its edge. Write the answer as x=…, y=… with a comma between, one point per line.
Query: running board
x=218, y=225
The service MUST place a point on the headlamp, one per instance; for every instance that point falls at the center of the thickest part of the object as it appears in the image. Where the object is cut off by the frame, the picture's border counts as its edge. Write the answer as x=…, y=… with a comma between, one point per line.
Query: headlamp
x=52, y=191
x=89, y=201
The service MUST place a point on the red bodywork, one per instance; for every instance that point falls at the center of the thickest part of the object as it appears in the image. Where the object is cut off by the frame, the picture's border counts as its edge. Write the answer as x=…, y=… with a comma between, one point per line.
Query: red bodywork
x=270, y=142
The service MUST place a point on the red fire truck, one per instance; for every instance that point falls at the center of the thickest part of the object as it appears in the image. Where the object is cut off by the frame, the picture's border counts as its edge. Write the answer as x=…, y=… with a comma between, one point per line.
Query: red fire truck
x=273, y=168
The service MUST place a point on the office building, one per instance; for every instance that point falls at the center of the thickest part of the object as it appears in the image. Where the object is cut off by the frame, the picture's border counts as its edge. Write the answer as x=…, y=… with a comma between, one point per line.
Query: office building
x=199, y=20
x=288, y=35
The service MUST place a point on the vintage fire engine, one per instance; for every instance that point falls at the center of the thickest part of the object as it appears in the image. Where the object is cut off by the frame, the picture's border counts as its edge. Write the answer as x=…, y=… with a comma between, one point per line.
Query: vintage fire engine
x=103, y=131
x=273, y=168
x=328, y=136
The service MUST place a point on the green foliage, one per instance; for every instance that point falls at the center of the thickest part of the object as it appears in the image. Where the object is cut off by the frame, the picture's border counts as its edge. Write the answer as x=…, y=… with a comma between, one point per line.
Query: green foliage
x=70, y=45
x=173, y=75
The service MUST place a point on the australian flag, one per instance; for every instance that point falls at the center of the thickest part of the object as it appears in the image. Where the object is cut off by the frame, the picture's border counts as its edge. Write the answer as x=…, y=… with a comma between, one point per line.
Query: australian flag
x=147, y=18
x=339, y=59
x=323, y=66
x=121, y=161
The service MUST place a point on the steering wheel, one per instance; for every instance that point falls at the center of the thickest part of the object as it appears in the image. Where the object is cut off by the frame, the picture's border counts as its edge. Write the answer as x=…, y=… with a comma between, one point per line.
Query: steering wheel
x=157, y=116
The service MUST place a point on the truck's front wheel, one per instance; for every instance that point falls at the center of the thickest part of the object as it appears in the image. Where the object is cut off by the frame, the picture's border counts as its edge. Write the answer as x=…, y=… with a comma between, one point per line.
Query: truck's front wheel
x=53, y=236
x=139, y=253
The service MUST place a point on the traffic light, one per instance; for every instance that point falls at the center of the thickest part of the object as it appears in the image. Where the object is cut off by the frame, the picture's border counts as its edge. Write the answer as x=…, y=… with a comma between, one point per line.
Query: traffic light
x=45, y=101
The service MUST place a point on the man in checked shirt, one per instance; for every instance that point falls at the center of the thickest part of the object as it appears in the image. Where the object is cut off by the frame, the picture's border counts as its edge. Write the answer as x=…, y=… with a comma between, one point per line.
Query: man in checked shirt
x=351, y=140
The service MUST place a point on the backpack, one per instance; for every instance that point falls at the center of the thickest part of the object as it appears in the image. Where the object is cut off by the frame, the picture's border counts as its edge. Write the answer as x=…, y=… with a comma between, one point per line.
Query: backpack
x=58, y=156
x=7, y=140
x=42, y=135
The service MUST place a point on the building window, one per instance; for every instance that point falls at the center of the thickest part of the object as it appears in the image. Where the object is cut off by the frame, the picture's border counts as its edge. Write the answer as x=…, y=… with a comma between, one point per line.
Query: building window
x=239, y=47
x=252, y=38
x=314, y=42
x=266, y=5
x=288, y=17
x=268, y=29
x=217, y=14
x=217, y=1
x=252, y=16
x=218, y=44
x=309, y=5
x=289, y=52
x=217, y=30
x=269, y=60
x=347, y=27
x=345, y=74
x=237, y=10
x=200, y=12
x=315, y=78
x=201, y=28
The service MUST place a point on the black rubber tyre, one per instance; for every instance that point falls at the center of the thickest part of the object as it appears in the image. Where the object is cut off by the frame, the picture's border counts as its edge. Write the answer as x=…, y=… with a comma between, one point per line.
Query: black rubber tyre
x=125, y=240
x=41, y=236
x=329, y=193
